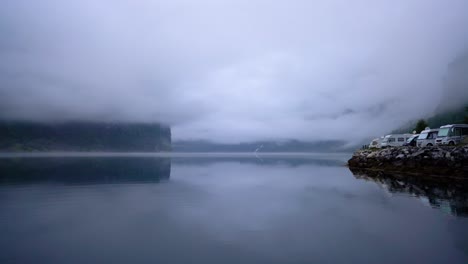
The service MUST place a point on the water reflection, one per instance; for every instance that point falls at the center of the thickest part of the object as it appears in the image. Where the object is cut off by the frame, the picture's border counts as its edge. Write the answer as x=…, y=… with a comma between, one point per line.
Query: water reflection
x=83, y=170
x=214, y=210
x=447, y=195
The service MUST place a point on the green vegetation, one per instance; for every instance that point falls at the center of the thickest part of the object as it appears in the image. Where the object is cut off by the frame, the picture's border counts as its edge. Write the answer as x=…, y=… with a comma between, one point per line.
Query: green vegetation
x=420, y=126
x=83, y=136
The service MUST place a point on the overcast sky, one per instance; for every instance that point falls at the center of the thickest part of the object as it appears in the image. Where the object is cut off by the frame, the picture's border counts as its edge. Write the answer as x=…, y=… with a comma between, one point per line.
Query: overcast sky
x=230, y=70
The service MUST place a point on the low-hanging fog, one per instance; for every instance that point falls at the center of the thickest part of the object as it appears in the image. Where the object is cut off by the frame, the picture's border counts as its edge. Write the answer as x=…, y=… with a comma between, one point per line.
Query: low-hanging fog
x=230, y=70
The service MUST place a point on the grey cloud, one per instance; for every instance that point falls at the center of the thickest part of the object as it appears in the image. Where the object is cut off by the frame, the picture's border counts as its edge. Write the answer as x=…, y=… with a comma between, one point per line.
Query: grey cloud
x=230, y=70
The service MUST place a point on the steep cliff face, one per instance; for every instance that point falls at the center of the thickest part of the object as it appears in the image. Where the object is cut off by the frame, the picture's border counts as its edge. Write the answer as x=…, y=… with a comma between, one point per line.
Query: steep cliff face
x=84, y=136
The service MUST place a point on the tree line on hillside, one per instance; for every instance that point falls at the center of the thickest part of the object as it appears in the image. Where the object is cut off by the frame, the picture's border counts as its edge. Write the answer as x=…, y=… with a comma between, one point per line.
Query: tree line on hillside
x=459, y=116
x=443, y=119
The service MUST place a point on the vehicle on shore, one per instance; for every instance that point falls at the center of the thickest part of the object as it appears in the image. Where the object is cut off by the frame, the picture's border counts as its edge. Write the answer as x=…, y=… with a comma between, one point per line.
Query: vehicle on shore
x=452, y=134
x=427, y=138
x=395, y=140
x=412, y=141
x=376, y=143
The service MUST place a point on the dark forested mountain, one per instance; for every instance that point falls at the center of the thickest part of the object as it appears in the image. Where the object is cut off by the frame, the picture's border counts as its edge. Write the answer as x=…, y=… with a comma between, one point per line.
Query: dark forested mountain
x=456, y=116
x=83, y=136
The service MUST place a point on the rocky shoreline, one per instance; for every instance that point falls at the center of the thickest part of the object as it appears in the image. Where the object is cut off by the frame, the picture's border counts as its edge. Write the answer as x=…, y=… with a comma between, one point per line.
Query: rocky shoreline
x=434, y=161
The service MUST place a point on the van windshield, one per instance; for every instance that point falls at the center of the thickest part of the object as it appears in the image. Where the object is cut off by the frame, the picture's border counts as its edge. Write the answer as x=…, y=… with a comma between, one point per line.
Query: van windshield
x=443, y=132
x=423, y=136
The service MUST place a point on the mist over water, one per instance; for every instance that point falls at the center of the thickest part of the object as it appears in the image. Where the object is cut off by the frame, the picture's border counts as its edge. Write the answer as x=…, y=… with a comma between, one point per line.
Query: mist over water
x=131, y=88
x=230, y=71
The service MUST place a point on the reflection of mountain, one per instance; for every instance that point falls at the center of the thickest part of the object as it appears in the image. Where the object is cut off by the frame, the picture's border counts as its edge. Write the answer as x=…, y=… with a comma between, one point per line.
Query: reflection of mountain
x=447, y=195
x=83, y=170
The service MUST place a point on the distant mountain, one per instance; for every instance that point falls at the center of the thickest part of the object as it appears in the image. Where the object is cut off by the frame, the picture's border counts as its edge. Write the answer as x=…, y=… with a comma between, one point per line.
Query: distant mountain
x=261, y=146
x=83, y=136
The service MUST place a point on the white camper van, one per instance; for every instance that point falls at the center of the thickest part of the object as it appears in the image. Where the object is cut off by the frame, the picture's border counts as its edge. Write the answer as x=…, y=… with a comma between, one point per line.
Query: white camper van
x=452, y=134
x=427, y=137
x=376, y=143
x=395, y=140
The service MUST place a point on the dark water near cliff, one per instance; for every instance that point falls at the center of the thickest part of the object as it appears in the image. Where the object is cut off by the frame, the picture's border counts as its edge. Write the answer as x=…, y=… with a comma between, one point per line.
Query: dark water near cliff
x=208, y=209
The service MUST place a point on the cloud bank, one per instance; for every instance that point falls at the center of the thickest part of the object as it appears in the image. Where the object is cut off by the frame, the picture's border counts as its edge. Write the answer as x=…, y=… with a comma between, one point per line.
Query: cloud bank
x=232, y=70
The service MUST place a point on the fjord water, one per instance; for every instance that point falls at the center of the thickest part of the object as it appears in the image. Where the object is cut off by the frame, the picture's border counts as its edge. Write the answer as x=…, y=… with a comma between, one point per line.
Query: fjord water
x=224, y=209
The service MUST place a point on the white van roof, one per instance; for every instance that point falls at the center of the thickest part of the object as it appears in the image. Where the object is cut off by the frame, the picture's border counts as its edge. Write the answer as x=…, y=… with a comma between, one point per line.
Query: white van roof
x=398, y=135
x=455, y=125
x=430, y=130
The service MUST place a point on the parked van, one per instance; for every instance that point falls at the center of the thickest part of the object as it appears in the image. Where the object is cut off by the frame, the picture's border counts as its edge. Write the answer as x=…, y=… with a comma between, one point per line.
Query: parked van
x=412, y=141
x=395, y=140
x=376, y=143
x=427, y=137
x=452, y=134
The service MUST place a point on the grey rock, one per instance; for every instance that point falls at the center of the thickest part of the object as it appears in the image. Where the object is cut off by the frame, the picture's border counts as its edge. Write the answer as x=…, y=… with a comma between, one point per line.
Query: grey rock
x=443, y=158
x=400, y=156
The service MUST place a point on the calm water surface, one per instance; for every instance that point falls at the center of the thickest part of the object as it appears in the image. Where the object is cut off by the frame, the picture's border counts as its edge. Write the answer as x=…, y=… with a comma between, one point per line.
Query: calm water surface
x=222, y=209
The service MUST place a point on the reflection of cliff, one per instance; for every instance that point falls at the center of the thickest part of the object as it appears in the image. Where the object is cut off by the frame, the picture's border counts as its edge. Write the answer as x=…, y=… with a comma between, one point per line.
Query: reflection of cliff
x=447, y=195
x=83, y=170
